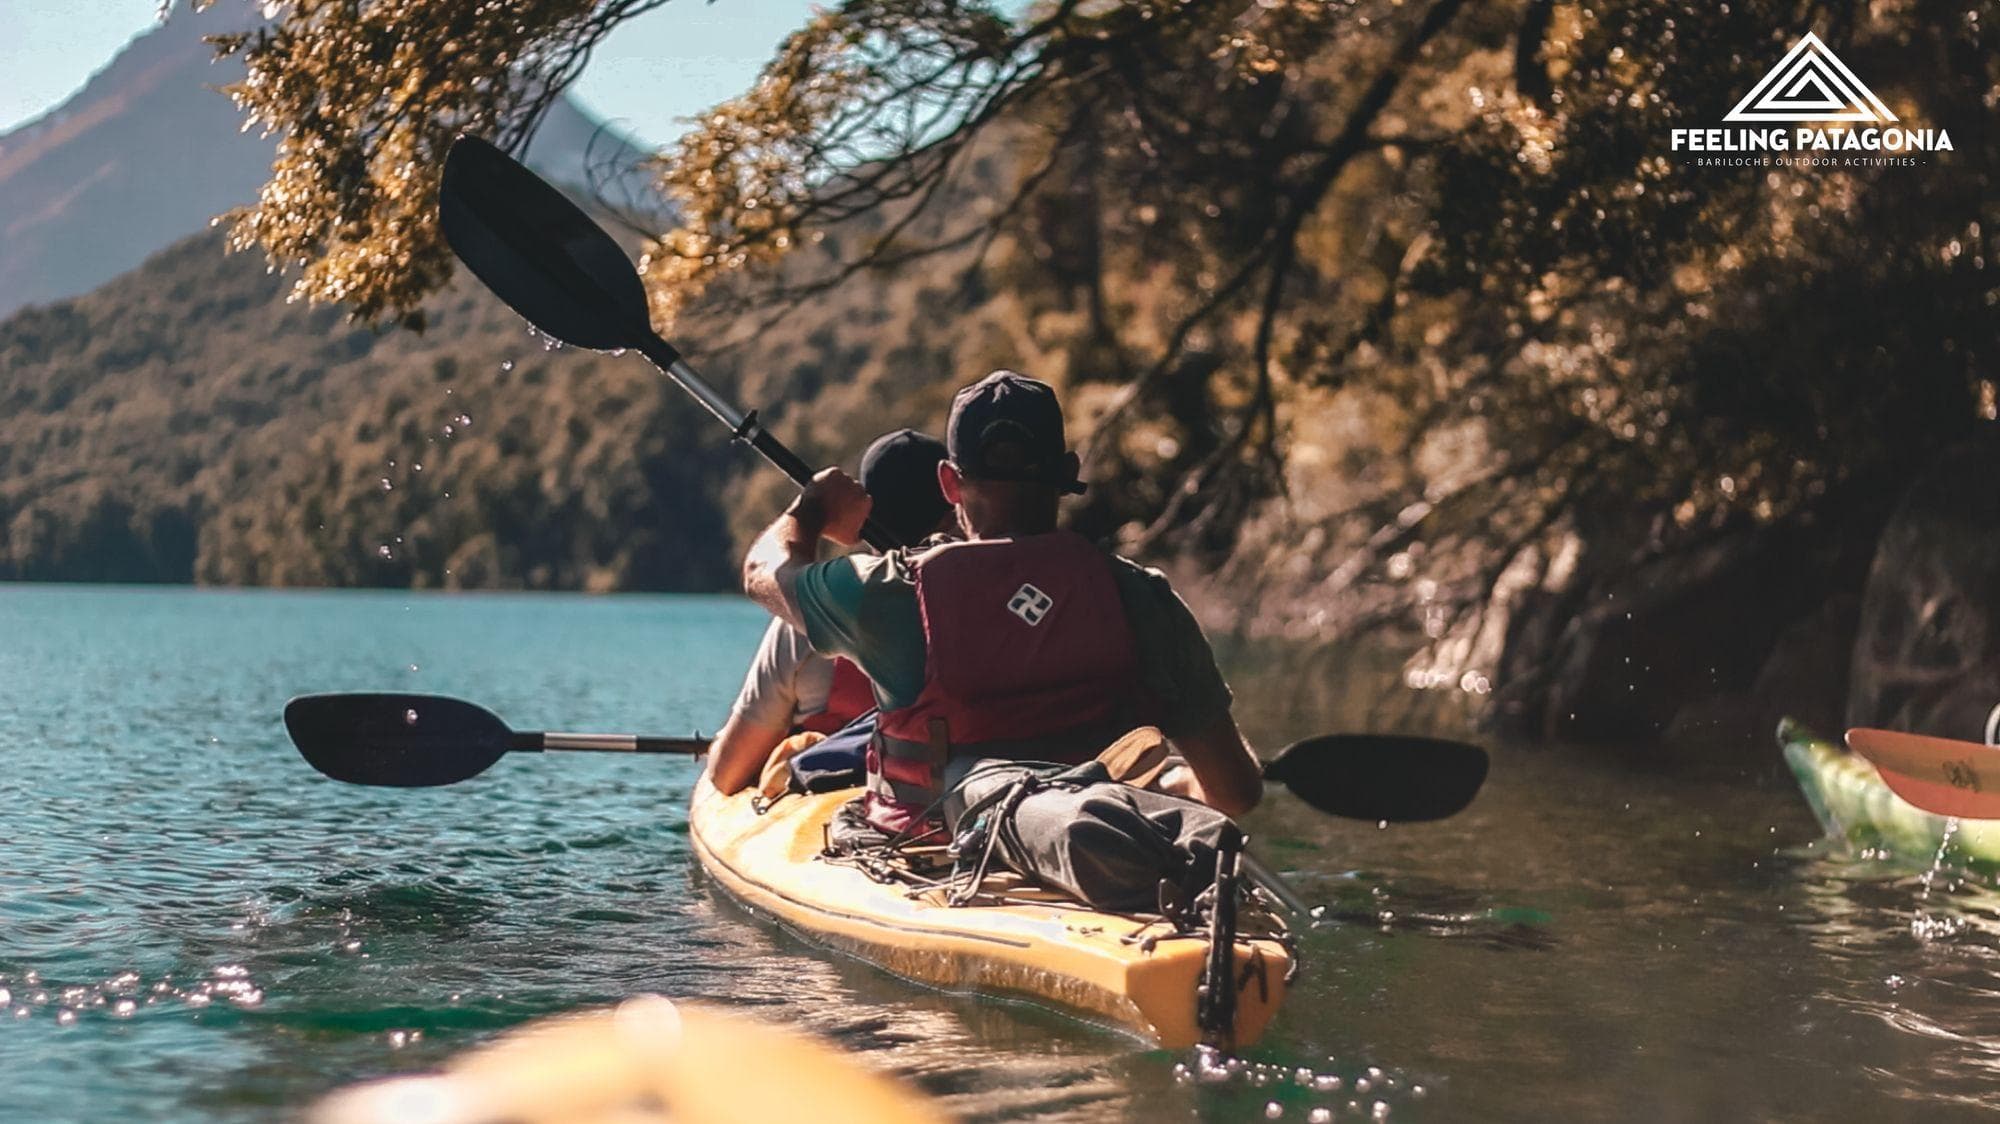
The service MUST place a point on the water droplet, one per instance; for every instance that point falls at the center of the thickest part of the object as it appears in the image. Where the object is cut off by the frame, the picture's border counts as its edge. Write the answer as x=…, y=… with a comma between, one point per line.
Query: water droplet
x=386, y=486
x=1273, y=1110
x=506, y=364
x=1319, y=1116
x=410, y=716
x=124, y=1008
x=384, y=552
x=413, y=670
x=66, y=1017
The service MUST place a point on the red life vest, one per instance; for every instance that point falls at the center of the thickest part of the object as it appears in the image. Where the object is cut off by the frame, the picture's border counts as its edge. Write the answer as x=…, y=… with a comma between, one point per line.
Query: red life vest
x=849, y=696
x=1028, y=655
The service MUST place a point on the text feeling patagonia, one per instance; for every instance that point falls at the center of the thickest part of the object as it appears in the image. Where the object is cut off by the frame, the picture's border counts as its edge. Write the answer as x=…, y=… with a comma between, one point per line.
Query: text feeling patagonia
x=1811, y=140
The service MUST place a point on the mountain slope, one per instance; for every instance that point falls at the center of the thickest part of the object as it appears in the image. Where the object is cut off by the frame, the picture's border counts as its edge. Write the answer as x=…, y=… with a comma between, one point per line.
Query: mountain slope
x=186, y=422
x=148, y=152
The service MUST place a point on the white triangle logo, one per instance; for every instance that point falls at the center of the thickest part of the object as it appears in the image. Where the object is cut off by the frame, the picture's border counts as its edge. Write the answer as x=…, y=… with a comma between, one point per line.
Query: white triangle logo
x=1810, y=84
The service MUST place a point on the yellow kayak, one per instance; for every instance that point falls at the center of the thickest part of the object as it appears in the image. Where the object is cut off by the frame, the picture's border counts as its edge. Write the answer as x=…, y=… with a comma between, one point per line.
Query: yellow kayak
x=649, y=1060
x=1129, y=971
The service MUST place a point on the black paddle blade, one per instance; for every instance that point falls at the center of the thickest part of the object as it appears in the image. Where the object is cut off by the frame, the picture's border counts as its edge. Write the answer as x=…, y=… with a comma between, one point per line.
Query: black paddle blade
x=538, y=251
x=1381, y=776
x=404, y=741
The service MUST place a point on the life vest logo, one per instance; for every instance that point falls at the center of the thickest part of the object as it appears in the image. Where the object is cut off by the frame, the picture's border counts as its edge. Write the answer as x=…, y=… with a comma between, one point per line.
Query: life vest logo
x=1831, y=111
x=1811, y=84
x=1030, y=604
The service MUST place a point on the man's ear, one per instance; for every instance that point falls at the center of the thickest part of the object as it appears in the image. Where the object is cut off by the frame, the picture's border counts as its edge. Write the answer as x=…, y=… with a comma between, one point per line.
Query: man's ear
x=948, y=482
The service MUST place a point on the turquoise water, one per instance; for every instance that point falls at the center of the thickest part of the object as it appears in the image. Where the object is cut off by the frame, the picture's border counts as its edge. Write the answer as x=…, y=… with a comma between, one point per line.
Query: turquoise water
x=195, y=926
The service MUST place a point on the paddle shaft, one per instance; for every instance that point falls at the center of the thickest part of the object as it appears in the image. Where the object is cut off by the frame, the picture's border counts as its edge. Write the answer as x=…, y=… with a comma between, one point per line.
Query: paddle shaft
x=1253, y=868
x=535, y=741
x=745, y=426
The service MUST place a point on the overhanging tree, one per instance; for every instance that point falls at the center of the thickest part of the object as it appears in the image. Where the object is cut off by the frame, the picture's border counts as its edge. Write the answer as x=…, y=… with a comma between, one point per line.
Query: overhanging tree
x=1573, y=357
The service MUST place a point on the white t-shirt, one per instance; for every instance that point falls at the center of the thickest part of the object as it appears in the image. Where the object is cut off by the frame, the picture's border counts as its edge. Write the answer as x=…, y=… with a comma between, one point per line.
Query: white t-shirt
x=788, y=680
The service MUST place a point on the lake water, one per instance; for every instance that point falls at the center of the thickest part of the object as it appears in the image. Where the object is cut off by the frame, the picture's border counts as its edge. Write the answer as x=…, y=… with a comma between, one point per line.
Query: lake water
x=195, y=926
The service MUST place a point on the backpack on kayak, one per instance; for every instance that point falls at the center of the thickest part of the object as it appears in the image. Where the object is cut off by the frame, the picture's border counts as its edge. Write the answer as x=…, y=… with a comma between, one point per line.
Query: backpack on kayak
x=836, y=763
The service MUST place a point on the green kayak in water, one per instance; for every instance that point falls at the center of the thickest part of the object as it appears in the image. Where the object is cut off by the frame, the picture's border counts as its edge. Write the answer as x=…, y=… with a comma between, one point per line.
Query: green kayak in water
x=1852, y=804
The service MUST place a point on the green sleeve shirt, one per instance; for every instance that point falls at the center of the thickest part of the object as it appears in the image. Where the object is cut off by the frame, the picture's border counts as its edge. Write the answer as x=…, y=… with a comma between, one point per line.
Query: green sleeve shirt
x=864, y=607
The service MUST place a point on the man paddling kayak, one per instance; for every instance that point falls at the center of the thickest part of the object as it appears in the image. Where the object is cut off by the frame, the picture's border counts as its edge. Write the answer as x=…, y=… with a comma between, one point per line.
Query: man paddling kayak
x=1024, y=643
x=791, y=688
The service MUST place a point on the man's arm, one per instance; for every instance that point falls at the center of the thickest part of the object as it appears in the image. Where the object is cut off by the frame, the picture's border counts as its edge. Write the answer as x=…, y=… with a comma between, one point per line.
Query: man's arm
x=832, y=507
x=764, y=711
x=1222, y=772
x=739, y=751
x=1190, y=702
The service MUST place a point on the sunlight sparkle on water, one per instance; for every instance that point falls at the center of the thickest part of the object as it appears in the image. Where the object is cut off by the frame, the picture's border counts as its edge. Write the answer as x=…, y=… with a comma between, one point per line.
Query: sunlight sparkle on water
x=1210, y=1067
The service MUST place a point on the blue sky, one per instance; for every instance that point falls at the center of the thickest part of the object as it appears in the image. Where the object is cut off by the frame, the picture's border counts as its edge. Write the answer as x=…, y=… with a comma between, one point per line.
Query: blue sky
x=666, y=65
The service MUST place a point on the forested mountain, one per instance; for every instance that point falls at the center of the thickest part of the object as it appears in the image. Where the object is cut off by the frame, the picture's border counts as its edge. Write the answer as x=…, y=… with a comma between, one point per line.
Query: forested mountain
x=187, y=423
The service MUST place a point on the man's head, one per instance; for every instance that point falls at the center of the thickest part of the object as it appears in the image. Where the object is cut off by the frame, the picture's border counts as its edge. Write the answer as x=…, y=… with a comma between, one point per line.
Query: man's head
x=900, y=473
x=1010, y=463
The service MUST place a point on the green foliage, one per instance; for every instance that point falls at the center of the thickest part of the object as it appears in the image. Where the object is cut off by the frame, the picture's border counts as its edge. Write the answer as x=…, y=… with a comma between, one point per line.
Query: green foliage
x=188, y=423
x=365, y=99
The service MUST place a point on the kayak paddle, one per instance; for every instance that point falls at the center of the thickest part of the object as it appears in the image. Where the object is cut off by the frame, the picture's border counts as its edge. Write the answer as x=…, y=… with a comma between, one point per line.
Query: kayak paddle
x=417, y=741
x=1384, y=777
x=1940, y=775
x=546, y=259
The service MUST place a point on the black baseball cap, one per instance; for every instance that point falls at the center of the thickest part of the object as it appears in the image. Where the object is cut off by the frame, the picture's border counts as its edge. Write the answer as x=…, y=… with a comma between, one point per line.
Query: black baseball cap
x=900, y=473
x=1008, y=426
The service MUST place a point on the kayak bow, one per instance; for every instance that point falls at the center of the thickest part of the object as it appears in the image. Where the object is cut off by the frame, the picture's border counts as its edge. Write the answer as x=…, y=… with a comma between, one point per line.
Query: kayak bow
x=1851, y=802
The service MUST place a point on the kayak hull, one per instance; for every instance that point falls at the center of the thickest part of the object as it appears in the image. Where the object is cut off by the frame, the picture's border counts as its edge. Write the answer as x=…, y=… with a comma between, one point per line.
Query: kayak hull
x=711, y=1065
x=1044, y=949
x=1850, y=801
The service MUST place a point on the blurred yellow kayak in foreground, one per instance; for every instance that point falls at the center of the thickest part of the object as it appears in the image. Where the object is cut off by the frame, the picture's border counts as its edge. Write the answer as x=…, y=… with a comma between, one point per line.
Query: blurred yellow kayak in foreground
x=649, y=1060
